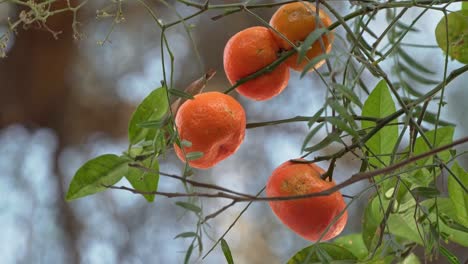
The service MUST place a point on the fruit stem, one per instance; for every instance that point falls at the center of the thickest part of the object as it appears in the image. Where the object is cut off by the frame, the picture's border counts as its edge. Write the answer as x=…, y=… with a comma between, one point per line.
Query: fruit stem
x=329, y=174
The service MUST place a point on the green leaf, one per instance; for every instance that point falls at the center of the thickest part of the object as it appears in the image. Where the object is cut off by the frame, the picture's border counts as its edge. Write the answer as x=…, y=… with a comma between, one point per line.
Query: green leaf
x=413, y=63
x=189, y=206
x=406, y=27
x=343, y=112
x=145, y=181
x=95, y=174
x=186, y=234
x=373, y=215
x=465, y=5
x=431, y=117
x=416, y=76
x=444, y=137
x=411, y=259
x=457, y=25
x=428, y=192
x=311, y=38
x=310, y=254
x=194, y=155
x=446, y=207
x=152, y=108
x=380, y=104
x=449, y=255
x=456, y=193
x=310, y=135
x=226, y=251
x=349, y=94
x=180, y=94
x=313, y=62
x=153, y=124
x=330, y=138
x=315, y=117
x=354, y=243
x=188, y=254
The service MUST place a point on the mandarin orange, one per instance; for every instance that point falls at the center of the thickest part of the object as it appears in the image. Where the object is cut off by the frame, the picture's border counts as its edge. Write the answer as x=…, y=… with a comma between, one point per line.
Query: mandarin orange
x=214, y=124
x=307, y=217
x=295, y=21
x=249, y=51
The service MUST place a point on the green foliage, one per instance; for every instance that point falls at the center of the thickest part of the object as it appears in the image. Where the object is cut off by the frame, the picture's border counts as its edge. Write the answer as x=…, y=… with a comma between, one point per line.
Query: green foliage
x=457, y=195
x=145, y=181
x=151, y=109
x=454, y=28
x=96, y=174
x=311, y=38
x=227, y=251
x=354, y=243
x=380, y=104
x=323, y=253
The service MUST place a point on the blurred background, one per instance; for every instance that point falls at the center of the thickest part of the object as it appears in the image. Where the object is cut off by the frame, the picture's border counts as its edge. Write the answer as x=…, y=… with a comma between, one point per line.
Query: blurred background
x=64, y=101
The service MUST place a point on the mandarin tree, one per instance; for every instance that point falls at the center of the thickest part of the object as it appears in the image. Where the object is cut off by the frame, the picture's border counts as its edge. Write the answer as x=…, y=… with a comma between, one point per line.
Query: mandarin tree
x=381, y=106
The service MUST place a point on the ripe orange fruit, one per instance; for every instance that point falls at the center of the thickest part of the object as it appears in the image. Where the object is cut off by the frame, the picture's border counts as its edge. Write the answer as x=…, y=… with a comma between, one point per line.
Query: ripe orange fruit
x=308, y=217
x=249, y=51
x=214, y=123
x=296, y=21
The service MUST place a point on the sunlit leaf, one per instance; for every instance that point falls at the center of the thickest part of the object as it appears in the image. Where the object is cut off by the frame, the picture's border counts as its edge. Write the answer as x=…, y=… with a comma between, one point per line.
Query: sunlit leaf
x=309, y=254
x=428, y=192
x=226, y=251
x=354, y=243
x=444, y=136
x=445, y=206
x=456, y=193
x=380, y=104
x=457, y=25
x=94, y=175
x=152, y=108
x=411, y=259
x=145, y=181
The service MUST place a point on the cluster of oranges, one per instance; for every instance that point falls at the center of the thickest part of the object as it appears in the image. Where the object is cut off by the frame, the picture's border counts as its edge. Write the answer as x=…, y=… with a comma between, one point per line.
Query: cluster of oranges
x=214, y=123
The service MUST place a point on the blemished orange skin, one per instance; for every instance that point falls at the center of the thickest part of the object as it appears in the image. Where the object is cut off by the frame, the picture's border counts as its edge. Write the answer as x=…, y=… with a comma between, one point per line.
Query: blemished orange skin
x=214, y=123
x=296, y=21
x=249, y=51
x=308, y=217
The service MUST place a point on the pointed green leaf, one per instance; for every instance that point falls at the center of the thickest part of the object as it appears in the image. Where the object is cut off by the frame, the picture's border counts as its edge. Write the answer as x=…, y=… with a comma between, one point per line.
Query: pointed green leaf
x=186, y=234
x=354, y=243
x=447, y=208
x=452, y=259
x=152, y=108
x=145, y=181
x=416, y=76
x=189, y=206
x=310, y=135
x=444, y=137
x=412, y=62
x=456, y=193
x=313, y=62
x=188, y=254
x=94, y=175
x=348, y=93
x=310, y=254
x=330, y=138
x=226, y=251
x=181, y=94
x=311, y=38
x=428, y=192
x=380, y=104
x=194, y=155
